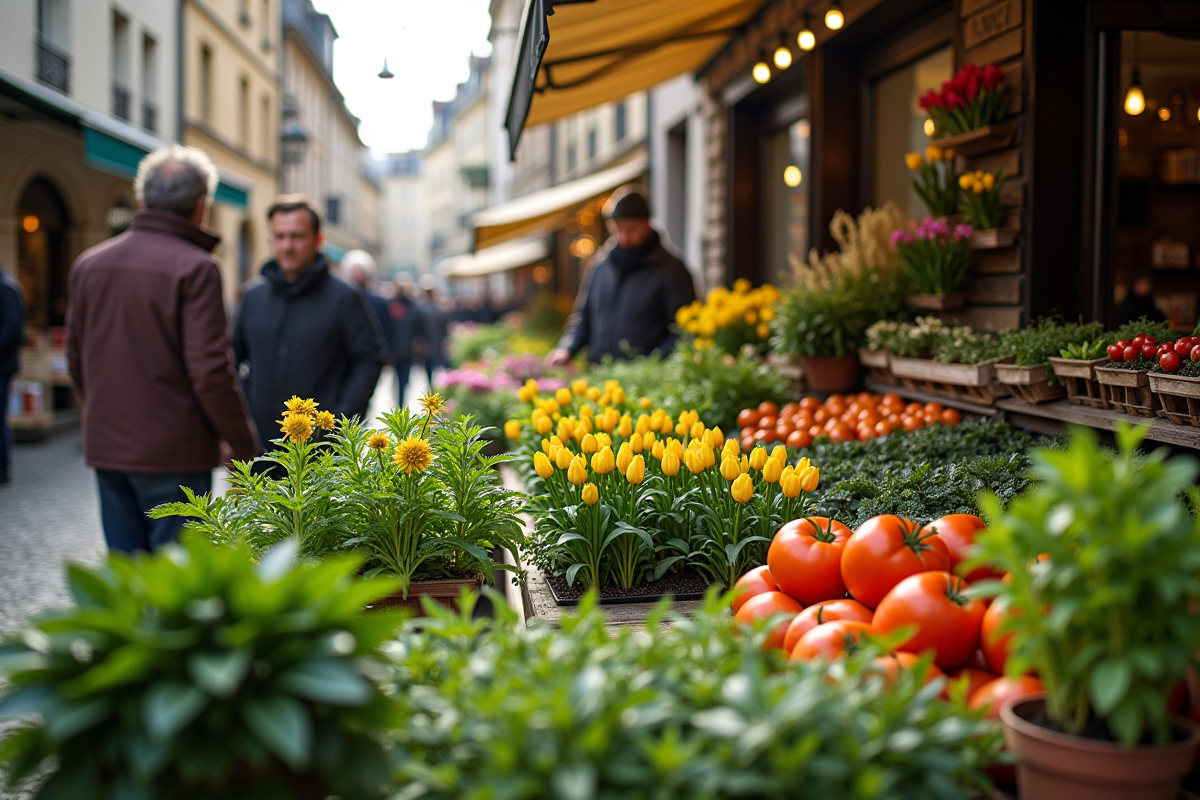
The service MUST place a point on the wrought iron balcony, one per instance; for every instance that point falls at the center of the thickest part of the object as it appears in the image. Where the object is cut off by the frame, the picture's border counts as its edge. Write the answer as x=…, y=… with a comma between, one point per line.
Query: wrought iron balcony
x=149, y=116
x=53, y=66
x=120, y=102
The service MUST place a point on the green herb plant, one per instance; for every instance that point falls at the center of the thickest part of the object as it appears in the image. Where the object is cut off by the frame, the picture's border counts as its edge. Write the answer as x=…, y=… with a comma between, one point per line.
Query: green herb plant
x=1085, y=351
x=1048, y=337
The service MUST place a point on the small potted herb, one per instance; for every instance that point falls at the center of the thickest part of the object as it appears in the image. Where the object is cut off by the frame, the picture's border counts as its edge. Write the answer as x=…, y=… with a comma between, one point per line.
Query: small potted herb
x=933, y=180
x=1103, y=559
x=1029, y=376
x=935, y=258
x=982, y=210
x=1132, y=351
x=1075, y=365
x=958, y=361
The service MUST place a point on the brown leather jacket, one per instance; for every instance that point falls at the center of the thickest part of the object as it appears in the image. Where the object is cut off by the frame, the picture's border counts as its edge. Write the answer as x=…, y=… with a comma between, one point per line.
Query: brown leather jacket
x=149, y=351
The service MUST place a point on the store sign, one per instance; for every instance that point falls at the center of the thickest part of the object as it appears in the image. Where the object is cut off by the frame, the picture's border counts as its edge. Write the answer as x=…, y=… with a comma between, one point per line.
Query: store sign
x=991, y=22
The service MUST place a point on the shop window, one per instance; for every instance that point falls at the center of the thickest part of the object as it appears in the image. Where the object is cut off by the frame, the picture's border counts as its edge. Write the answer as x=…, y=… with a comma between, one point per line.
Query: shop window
x=786, y=199
x=899, y=127
x=41, y=252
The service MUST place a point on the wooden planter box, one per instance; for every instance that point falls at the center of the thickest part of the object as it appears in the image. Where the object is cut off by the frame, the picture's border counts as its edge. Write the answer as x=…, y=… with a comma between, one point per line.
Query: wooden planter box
x=878, y=363
x=996, y=136
x=1128, y=391
x=937, y=302
x=974, y=383
x=1079, y=379
x=444, y=592
x=1179, y=396
x=1030, y=384
x=993, y=239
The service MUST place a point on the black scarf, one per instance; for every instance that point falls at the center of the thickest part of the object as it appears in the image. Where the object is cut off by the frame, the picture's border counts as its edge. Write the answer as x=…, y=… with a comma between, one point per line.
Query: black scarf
x=628, y=259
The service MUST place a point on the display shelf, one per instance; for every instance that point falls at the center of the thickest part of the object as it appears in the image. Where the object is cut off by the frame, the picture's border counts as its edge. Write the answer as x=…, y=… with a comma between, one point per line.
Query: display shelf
x=1054, y=417
x=993, y=239
x=996, y=136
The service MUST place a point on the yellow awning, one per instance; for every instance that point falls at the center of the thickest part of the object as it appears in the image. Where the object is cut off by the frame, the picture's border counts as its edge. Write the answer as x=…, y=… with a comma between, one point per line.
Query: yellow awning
x=491, y=260
x=543, y=208
x=604, y=50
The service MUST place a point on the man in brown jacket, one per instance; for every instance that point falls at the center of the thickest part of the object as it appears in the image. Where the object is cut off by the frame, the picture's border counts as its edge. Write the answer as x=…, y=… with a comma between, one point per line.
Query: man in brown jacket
x=149, y=353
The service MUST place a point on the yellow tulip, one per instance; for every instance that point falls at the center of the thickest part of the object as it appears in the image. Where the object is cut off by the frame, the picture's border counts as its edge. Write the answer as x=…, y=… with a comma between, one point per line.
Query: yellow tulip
x=643, y=424
x=625, y=428
x=648, y=439
x=718, y=437
x=694, y=464
x=592, y=394
x=544, y=425
x=542, y=465
x=603, y=439
x=913, y=161
x=681, y=429
x=577, y=472
x=624, y=457
x=697, y=430
x=590, y=494
x=589, y=444
x=772, y=471
x=553, y=451
x=787, y=470
x=742, y=489
x=966, y=181
x=637, y=443
x=551, y=407
x=637, y=470
x=758, y=457
x=579, y=386
x=791, y=486
x=767, y=314
x=810, y=478
x=670, y=464
x=579, y=433
x=603, y=461
x=512, y=429
x=779, y=453
x=566, y=428
x=803, y=464
x=989, y=181
x=978, y=187
x=744, y=464
x=707, y=455
x=948, y=154
x=618, y=396
x=645, y=402
x=586, y=411
x=933, y=153
x=731, y=448
x=563, y=396
x=763, y=330
x=563, y=458
x=730, y=469
x=676, y=447
x=524, y=395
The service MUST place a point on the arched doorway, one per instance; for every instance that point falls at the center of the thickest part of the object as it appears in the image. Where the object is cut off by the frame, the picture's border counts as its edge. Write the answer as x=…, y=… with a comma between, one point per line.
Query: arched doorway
x=42, y=224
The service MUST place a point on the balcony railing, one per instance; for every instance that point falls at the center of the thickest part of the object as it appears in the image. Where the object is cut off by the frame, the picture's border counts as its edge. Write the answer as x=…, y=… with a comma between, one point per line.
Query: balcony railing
x=120, y=101
x=149, y=116
x=53, y=66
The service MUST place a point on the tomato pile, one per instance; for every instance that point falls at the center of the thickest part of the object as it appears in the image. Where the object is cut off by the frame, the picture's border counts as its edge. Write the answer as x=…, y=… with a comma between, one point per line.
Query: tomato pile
x=1144, y=347
x=1173, y=355
x=836, y=586
x=843, y=418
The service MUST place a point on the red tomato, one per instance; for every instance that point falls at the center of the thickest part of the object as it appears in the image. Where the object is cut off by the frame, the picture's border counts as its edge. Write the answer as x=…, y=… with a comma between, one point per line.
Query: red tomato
x=831, y=640
x=1131, y=353
x=810, y=403
x=805, y=558
x=993, y=643
x=842, y=433
x=764, y=605
x=1183, y=347
x=1171, y=362
x=884, y=551
x=892, y=663
x=1139, y=340
x=765, y=436
x=1195, y=356
x=767, y=407
x=993, y=694
x=821, y=613
x=748, y=418
x=755, y=582
x=1116, y=352
x=974, y=676
x=958, y=531
x=1148, y=350
x=767, y=421
x=799, y=440
x=947, y=621
x=951, y=416
x=789, y=410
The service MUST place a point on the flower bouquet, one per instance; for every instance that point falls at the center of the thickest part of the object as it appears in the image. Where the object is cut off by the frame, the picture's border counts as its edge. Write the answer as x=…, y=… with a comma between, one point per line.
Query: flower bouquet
x=933, y=179
x=731, y=319
x=971, y=99
x=936, y=258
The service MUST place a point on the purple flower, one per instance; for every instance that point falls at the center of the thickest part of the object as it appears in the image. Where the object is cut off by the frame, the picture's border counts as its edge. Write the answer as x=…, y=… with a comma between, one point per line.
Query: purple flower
x=899, y=236
x=962, y=232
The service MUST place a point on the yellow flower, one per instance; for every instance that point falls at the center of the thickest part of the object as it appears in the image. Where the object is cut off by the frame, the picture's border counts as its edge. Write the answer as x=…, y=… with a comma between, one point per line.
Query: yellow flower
x=586, y=411
x=772, y=471
x=966, y=181
x=933, y=153
x=562, y=458
x=779, y=453
x=542, y=465
x=625, y=428
x=803, y=464
x=512, y=429
x=791, y=485
x=307, y=407
x=763, y=330
x=592, y=394
x=588, y=444
x=618, y=396
x=978, y=187
x=730, y=469
x=603, y=440
x=750, y=318
x=544, y=425
x=989, y=181
x=551, y=406
x=767, y=314
x=637, y=443
x=577, y=471
x=670, y=464
x=590, y=494
x=758, y=457
x=297, y=427
x=413, y=455
x=645, y=402
x=731, y=449
x=681, y=429
x=563, y=396
x=624, y=457
x=706, y=455
x=603, y=461
x=948, y=154
x=637, y=470
x=325, y=420
x=525, y=394
x=579, y=386
x=586, y=424
x=742, y=489
x=379, y=441
x=697, y=430
x=432, y=403
x=694, y=464
x=913, y=161
x=744, y=464
x=657, y=450
x=648, y=439
x=809, y=479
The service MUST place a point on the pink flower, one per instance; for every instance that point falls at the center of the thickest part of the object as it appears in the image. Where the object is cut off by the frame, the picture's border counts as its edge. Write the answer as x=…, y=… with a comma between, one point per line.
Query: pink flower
x=962, y=232
x=899, y=236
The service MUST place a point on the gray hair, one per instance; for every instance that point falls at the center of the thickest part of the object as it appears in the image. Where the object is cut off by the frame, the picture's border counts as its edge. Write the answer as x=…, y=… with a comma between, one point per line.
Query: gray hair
x=359, y=260
x=174, y=178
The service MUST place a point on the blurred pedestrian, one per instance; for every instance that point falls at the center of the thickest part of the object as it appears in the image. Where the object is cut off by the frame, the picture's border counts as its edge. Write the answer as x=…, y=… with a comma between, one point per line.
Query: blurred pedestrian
x=631, y=294
x=407, y=327
x=435, y=326
x=359, y=268
x=1139, y=302
x=148, y=348
x=12, y=334
x=300, y=330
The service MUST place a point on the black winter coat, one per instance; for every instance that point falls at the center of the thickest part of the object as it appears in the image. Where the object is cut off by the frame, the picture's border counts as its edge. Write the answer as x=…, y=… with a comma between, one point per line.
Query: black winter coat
x=12, y=327
x=631, y=308
x=312, y=338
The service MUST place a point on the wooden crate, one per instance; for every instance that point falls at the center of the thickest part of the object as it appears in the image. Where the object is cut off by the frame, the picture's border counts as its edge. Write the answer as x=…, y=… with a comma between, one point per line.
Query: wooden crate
x=974, y=383
x=1030, y=384
x=1179, y=396
x=1128, y=391
x=1079, y=379
x=878, y=363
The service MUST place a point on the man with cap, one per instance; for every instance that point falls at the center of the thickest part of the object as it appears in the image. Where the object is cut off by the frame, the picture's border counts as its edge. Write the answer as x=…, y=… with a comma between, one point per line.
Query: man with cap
x=634, y=287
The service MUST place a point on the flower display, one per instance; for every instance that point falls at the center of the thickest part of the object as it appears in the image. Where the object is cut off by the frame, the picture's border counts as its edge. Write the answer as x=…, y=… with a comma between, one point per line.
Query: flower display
x=934, y=254
x=730, y=319
x=971, y=99
x=933, y=179
x=981, y=199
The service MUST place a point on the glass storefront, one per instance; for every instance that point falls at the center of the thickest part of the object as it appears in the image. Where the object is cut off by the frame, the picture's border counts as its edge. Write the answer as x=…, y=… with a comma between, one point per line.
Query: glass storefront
x=787, y=199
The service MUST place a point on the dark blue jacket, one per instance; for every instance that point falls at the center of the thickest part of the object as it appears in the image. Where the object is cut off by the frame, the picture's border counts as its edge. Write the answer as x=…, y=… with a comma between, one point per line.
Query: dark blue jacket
x=12, y=326
x=379, y=307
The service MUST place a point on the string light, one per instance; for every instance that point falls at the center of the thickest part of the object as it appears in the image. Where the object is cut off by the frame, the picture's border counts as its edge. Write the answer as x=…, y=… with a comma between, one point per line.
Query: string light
x=792, y=176
x=1135, y=99
x=783, y=56
x=929, y=129
x=834, y=18
x=761, y=72
x=30, y=223
x=807, y=40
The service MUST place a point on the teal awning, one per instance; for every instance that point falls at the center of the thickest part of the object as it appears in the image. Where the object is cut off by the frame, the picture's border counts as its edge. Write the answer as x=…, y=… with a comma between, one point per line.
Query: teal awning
x=231, y=195
x=334, y=252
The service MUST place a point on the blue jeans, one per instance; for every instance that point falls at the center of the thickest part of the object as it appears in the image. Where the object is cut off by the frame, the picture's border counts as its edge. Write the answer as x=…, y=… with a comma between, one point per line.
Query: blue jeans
x=5, y=431
x=125, y=499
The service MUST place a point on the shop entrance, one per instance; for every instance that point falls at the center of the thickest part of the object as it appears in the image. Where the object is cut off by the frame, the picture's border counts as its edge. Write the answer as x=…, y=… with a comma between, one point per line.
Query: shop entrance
x=42, y=267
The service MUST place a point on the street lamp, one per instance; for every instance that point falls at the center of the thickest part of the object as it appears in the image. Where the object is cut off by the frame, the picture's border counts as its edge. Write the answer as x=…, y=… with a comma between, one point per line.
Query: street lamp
x=292, y=135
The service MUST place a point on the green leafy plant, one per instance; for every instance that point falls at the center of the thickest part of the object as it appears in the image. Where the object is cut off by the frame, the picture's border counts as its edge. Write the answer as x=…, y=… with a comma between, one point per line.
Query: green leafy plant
x=934, y=255
x=911, y=340
x=1045, y=338
x=933, y=180
x=691, y=709
x=1161, y=331
x=963, y=345
x=1103, y=559
x=980, y=202
x=1085, y=351
x=195, y=673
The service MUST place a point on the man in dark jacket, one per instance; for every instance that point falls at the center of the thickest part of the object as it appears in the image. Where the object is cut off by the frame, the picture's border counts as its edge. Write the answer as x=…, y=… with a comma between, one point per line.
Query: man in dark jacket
x=634, y=288
x=12, y=333
x=301, y=331
x=148, y=349
x=435, y=326
x=407, y=326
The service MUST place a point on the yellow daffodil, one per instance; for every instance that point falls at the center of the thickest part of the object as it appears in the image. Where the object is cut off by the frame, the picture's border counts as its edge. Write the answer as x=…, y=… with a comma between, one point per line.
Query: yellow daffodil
x=758, y=457
x=637, y=470
x=966, y=181
x=977, y=187
x=670, y=464
x=989, y=181
x=512, y=429
x=742, y=489
x=913, y=161
x=577, y=471
x=590, y=494
x=772, y=471
x=542, y=465
x=791, y=486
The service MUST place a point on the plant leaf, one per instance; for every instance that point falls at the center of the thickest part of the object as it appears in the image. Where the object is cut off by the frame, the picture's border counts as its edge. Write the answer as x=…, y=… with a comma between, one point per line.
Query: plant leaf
x=220, y=673
x=327, y=681
x=169, y=706
x=283, y=725
x=1109, y=682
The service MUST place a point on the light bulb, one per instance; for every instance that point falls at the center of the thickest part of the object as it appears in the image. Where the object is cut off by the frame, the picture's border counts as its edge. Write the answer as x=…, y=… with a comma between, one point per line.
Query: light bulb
x=1164, y=113
x=1135, y=101
x=929, y=129
x=834, y=18
x=783, y=57
x=807, y=40
x=761, y=72
x=792, y=176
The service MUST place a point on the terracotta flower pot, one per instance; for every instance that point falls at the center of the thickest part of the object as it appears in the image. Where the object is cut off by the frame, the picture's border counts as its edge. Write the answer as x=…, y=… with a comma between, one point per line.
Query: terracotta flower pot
x=1057, y=766
x=836, y=374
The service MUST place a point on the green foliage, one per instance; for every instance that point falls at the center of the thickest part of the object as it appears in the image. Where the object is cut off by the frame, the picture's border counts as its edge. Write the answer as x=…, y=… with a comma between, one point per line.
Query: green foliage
x=690, y=710
x=195, y=673
x=963, y=345
x=980, y=205
x=473, y=342
x=1104, y=616
x=1049, y=337
x=1161, y=331
x=832, y=320
x=1085, y=351
x=934, y=181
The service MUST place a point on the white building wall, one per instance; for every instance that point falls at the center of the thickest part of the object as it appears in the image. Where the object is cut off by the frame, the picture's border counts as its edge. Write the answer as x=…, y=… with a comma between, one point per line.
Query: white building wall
x=678, y=143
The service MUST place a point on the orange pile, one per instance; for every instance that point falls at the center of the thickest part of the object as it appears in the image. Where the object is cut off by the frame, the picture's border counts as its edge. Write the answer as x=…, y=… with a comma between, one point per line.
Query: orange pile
x=843, y=418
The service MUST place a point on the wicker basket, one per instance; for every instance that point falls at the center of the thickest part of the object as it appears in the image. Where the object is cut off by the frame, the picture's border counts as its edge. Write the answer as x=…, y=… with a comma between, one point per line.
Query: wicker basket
x=1179, y=395
x=972, y=383
x=1030, y=384
x=1128, y=391
x=1079, y=378
x=878, y=363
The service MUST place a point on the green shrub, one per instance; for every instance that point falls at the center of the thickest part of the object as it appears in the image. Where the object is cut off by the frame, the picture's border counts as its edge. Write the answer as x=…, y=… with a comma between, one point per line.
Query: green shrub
x=1049, y=337
x=195, y=673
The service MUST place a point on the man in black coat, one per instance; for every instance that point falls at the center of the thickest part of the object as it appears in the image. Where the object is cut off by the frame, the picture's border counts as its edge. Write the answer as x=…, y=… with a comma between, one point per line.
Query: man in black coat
x=407, y=326
x=12, y=334
x=301, y=331
x=628, y=303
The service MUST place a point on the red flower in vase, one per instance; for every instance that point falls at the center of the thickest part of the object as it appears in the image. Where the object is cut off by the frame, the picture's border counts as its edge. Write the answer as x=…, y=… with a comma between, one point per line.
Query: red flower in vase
x=992, y=76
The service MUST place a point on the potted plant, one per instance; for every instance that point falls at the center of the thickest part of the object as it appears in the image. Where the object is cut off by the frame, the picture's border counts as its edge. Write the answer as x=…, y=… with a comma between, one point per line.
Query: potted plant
x=823, y=318
x=1175, y=380
x=982, y=210
x=935, y=258
x=933, y=180
x=966, y=111
x=196, y=673
x=1076, y=365
x=1103, y=559
x=1123, y=379
x=876, y=353
x=1029, y=376
x=957, y=362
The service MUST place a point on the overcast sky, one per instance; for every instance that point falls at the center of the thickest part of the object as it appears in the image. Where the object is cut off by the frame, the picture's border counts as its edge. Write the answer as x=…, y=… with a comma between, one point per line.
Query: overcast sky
x=426, y=44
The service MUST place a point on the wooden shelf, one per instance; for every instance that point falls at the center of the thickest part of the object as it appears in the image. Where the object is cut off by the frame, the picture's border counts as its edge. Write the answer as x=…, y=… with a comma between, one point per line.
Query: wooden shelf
x=1055, y=416
x=996, y=136
x=994, y=239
